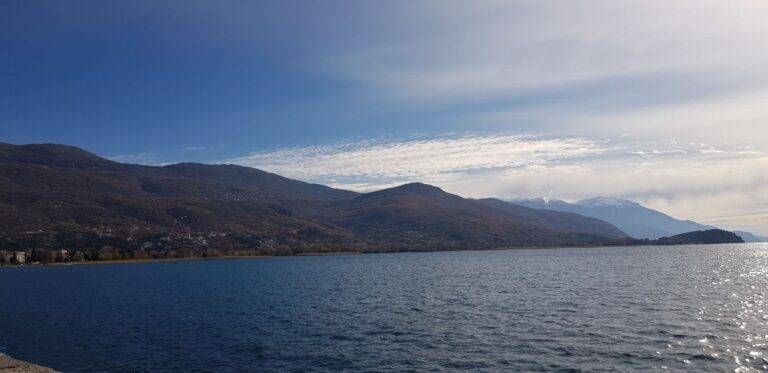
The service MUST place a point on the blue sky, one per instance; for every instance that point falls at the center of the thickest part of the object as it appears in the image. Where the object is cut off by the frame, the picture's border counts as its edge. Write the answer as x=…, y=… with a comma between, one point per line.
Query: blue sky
x=662, y=102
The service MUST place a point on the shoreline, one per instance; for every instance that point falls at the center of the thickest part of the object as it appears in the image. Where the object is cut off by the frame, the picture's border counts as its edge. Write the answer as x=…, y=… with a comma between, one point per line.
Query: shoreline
x=169, y=260
x=342, y=253
x=8, y=364
x=330, y=254
x=140, y=261
x=164, y=260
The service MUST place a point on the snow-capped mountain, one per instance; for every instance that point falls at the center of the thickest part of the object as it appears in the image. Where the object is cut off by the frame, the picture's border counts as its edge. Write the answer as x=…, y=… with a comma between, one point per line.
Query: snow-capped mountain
x=631, y=217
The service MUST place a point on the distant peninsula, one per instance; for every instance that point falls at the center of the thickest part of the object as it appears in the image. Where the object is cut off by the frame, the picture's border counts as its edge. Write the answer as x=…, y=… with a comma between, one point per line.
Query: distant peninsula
x=710, y=236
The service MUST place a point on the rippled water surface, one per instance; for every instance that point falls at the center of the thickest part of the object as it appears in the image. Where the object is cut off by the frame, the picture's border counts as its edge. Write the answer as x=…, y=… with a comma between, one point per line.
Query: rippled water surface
x=697, y=308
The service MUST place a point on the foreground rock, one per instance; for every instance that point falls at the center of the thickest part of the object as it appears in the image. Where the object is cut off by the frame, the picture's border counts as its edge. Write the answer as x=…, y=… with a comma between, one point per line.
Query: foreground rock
x=8, y=365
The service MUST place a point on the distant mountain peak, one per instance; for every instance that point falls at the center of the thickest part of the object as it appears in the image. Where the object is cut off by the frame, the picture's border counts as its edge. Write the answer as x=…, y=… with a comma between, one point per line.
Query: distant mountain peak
x=631, y=217
x=538, y=200
x=607, y=202
x=749, y=237
x=53, y=154
x=420, y=188
x=50, y=150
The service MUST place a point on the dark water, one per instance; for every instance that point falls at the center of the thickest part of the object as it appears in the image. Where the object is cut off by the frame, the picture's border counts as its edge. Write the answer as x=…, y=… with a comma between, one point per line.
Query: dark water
x=696, y=308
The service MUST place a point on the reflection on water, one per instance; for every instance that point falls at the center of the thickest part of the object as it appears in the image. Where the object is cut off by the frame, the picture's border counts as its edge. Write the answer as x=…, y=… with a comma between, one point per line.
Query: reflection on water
x=696, y=308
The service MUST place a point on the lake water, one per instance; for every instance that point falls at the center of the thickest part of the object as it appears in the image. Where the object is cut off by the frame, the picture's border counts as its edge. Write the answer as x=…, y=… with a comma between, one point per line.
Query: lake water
x=697, y=308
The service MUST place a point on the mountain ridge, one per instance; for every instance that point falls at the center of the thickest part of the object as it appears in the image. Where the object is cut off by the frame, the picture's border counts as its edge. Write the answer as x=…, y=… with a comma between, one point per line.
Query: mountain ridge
x=62, y=197
x=633, y=218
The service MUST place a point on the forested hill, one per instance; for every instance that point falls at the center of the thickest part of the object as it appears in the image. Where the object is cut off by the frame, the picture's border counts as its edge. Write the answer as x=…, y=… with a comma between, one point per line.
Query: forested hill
x=710, y=236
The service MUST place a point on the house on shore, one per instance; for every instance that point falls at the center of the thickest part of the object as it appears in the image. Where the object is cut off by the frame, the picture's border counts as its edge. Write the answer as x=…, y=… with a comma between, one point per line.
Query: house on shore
x=12, y=257
x=6, y=257
x=20, y=257
x=63, y=255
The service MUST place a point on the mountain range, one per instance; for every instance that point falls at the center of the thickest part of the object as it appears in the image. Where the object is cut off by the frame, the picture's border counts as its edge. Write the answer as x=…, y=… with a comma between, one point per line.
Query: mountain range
x=750, y=237
x=631, y=217
x=62, y=197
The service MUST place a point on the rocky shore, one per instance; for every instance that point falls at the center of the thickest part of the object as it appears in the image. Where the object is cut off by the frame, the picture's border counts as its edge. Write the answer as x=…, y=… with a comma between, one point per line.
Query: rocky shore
x=8, y=365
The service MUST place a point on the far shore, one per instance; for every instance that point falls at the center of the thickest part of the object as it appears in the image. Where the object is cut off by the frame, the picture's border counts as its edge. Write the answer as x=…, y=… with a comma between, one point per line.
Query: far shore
x=148, y=260
x=330, y=254
x=339, y=253
x=163, y=260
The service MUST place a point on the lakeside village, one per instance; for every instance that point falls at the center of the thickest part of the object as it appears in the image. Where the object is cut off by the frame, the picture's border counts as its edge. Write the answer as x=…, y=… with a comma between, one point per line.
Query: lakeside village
x=43, y=247
x=92, y=244
x=107, y=244
x=15, y=257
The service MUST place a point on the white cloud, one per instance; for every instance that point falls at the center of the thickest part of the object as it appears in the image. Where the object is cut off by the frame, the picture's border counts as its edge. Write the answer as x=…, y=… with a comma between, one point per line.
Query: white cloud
x=468, y=50
x=689, y=70
x=660, y=152
x=732, y=119
x=358, y=165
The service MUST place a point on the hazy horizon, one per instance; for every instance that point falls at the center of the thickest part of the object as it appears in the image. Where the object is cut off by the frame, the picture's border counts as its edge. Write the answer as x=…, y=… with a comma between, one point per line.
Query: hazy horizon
x=657, y=102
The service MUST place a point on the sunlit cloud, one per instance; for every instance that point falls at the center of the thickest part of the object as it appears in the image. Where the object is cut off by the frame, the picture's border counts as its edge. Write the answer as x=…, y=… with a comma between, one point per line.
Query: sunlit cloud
x=660, y=152
x=364, y=164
